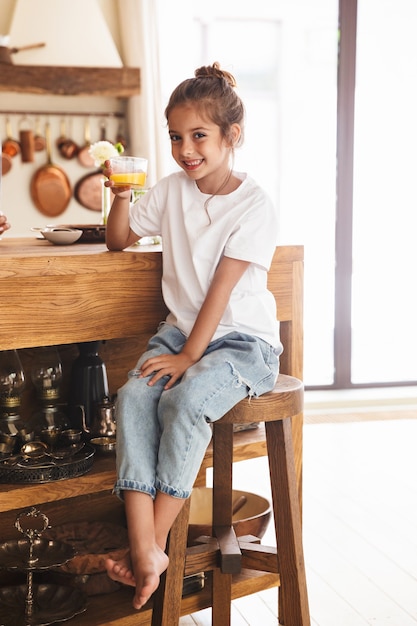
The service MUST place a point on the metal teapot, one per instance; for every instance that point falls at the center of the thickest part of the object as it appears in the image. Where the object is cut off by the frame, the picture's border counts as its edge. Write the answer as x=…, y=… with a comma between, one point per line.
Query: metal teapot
x=103, y=422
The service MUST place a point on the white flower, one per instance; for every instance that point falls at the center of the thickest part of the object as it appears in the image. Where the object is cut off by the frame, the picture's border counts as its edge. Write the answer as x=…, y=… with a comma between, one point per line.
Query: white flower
x=103, y=150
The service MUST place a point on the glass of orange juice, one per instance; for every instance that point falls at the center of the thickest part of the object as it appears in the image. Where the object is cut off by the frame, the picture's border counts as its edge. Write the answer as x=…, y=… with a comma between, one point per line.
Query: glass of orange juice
x=129, y=170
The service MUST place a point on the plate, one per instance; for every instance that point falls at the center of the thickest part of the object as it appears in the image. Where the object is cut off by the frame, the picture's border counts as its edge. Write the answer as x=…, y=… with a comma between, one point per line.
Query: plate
x=14, y=555
x=52, y=603
x=16, y=469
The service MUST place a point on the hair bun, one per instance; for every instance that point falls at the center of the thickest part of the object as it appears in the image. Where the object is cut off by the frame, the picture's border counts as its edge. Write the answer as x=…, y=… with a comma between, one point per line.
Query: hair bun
x=214, y=71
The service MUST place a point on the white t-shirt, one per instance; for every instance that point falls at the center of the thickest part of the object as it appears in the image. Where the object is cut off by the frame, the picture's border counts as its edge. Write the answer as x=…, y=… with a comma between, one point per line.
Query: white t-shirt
x=241, y=225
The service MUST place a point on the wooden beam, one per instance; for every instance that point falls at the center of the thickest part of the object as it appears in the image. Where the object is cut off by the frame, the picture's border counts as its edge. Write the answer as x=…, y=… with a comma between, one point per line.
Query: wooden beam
x=117, y=82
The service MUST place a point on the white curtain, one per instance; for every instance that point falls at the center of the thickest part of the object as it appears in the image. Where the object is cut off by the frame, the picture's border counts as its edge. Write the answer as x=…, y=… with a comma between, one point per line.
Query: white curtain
x=145, y=120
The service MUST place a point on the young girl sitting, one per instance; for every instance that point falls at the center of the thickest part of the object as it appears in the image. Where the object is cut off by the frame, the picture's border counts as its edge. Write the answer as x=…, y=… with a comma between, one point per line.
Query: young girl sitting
x=220, y=341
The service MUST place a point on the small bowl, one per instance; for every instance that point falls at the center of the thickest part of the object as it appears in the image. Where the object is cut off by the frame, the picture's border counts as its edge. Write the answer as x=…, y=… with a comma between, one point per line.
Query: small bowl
x=51, y=435
x=5, y=450
x=10, y=440
x=62, y=236
x=104, y=445
x=252, y=518
x=71, y=435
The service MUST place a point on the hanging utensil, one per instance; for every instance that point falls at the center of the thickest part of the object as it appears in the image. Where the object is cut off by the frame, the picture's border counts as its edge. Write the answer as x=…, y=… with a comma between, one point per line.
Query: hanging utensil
x=103, y=128
x=27, y=141
x=50, y=187
x=84, y=157
x=6, y=163
x=39, y=140
x=10, y=145
x=120, y=137
x=66, y=147
x=88, y=191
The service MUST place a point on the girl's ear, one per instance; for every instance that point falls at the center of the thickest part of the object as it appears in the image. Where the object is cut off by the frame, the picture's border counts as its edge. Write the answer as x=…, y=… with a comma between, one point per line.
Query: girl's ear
x=234, y=135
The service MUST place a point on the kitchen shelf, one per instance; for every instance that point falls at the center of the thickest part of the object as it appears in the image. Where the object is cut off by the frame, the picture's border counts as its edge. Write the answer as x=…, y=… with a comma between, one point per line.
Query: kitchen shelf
x=117, y=82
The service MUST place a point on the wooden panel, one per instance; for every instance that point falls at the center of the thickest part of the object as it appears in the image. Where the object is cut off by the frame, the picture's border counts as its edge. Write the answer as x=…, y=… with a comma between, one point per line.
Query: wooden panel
x=116, y=82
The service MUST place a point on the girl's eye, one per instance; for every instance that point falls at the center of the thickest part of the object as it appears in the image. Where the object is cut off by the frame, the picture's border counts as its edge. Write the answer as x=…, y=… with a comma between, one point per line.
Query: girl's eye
x=199, y=135
x=174, y=138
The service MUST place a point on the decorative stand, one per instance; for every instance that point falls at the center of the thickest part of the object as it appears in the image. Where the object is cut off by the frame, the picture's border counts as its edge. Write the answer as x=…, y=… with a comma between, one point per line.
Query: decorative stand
x=31, y=604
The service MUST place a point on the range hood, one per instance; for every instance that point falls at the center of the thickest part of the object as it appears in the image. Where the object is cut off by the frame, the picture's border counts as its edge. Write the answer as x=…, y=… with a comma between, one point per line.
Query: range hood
x=75, y=34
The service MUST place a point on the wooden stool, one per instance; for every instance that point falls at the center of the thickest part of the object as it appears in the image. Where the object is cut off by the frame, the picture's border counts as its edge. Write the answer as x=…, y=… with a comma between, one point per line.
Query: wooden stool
x=225, y=554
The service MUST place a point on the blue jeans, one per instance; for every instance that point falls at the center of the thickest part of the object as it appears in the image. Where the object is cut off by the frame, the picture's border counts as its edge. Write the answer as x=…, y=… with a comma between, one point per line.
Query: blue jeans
x=162, y=435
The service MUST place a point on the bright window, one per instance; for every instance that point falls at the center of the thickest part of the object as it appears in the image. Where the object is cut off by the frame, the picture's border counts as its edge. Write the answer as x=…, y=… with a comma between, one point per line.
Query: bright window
x=284, y=57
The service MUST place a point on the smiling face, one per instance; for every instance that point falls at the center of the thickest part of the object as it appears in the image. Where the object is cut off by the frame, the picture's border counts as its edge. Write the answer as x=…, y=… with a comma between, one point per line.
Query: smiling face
x=199, y=147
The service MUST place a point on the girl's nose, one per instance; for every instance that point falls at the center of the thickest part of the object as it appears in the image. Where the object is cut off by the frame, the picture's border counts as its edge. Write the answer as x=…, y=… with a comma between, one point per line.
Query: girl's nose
x=187, y=148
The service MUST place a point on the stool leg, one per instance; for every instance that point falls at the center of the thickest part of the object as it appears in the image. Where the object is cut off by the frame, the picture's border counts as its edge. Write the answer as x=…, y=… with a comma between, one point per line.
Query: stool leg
x=222, y=518
x=293, y=591
x=167, y=598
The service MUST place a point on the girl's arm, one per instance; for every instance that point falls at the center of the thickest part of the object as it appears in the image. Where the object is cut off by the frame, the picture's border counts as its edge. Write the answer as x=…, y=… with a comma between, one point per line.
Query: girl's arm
x=225, y=278
x=119, y=235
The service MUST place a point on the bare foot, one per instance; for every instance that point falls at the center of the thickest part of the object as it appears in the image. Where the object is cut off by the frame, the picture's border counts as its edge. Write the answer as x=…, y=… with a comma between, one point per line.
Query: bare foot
x=121, y=571
x=148, y=568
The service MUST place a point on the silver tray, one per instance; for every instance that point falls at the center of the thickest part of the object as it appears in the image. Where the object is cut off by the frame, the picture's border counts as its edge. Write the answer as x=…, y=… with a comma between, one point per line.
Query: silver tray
x=45, y=470
x=52, y=603
x=14, y=555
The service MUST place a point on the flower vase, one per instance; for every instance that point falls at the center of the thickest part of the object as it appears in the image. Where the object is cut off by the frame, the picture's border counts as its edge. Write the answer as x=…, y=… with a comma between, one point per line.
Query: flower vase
x=105, y=201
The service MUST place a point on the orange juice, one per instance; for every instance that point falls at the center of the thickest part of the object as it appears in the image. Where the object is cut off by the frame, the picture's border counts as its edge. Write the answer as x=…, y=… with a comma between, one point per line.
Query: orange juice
x=135, y=179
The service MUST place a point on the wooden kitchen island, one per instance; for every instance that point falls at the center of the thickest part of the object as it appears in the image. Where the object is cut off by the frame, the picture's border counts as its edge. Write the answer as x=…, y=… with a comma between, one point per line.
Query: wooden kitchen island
x=61, y=295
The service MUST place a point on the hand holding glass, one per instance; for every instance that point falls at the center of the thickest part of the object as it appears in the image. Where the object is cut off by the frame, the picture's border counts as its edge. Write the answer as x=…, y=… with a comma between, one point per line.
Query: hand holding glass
x=129, y=170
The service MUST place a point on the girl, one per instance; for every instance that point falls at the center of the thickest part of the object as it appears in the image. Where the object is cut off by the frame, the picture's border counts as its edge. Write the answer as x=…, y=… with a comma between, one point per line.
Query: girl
x=220, y=342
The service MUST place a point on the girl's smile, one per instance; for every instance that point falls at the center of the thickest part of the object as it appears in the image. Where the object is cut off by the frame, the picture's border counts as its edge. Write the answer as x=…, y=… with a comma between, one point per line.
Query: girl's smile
x=192, y=165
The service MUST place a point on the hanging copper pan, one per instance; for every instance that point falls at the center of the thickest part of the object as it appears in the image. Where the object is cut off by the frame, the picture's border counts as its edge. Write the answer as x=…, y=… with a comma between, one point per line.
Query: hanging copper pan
x=88, y=191
x=6, y=163
x=50, y=187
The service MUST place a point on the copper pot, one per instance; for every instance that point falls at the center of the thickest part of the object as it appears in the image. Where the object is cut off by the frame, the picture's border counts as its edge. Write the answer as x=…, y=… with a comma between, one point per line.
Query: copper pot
x=66, y=146
x=10, y=145
x=39, y=140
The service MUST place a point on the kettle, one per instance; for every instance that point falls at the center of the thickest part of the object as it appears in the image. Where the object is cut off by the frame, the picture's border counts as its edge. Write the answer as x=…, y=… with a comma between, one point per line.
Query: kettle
x=103, y=423
x=88, y=386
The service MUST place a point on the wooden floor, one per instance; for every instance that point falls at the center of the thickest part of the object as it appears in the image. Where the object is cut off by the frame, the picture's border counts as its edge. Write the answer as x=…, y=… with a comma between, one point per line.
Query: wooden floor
x=360, y=525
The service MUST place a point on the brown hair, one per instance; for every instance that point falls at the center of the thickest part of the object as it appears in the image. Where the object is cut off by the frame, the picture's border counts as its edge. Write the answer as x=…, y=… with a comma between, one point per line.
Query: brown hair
x=213, y=91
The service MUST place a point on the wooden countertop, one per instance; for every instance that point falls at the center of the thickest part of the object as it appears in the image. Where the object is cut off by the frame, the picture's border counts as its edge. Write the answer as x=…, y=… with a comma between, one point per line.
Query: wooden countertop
x=54, y=295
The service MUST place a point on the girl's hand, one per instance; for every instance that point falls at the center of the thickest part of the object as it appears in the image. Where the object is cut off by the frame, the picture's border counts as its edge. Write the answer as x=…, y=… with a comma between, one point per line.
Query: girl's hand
x=123, y=192
x=4, y=224
x=172, y=365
